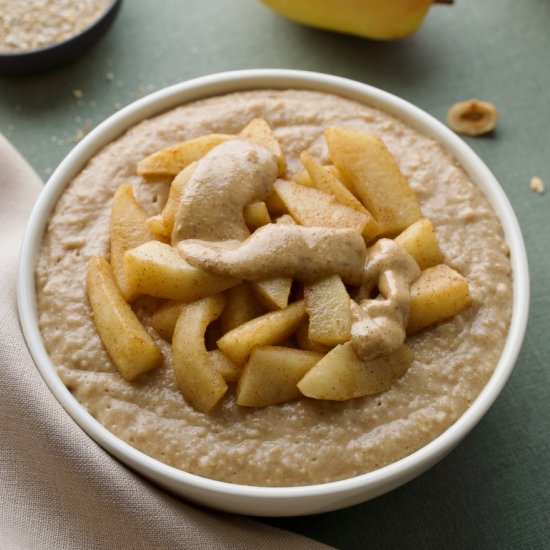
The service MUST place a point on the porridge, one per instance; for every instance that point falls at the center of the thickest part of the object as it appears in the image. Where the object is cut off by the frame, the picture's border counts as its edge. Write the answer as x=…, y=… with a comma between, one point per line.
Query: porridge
x=305, y=440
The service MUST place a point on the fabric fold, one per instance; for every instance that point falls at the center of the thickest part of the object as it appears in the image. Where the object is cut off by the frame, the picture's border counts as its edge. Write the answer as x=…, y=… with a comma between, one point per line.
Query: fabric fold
x=58, y=489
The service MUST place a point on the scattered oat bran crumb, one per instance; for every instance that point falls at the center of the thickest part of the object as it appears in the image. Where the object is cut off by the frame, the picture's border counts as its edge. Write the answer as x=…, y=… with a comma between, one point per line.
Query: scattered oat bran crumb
x=81, y=132
x=537, y=185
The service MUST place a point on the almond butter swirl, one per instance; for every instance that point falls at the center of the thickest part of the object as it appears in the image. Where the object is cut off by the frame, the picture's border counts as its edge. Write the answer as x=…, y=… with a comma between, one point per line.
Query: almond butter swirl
x=210, y=234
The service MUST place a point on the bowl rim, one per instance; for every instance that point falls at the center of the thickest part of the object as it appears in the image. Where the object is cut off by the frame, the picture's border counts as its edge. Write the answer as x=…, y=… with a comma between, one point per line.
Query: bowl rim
x=369, y=484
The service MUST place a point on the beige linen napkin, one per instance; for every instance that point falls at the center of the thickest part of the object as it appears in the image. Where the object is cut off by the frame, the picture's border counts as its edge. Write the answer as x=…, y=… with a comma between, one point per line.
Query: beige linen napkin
x=58, y=489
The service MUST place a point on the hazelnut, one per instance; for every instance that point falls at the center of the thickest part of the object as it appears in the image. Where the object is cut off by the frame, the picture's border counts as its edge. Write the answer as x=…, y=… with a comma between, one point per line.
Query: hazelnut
x=472, y=117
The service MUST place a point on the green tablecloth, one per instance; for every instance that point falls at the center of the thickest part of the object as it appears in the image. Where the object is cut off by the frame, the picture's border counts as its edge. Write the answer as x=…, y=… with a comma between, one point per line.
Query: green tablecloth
x=494, y=490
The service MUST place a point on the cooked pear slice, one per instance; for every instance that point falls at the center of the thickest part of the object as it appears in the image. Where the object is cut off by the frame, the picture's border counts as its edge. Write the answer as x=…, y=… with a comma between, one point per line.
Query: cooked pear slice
x=259, y=131
x=302, y=178
x=303, y=341
x=156, y=226
x=129, y=345
x=438, y=294
x=128, y=229
x=314, y=208
x=420, y=241
x=156, y=269
x=220, y=362
x=273, y=293
x=267, y=330
x=241, y=307
x=271, y=373
x=366, y=162
x=172, y=160
x=164, y=319
x=163, y=223
x=255, y=215
x=325, y=180
x=340, y=375
x=198, y=379
x=329, y=308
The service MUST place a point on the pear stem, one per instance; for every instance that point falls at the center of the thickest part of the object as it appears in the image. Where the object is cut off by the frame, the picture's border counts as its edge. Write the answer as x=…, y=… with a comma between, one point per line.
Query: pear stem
x=443, y=1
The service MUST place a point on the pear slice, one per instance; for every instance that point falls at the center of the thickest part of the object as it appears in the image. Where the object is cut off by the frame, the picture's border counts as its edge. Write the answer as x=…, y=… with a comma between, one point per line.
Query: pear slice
x=128, y=229
x=172, y=160
x=366, y=162
x=342, y=375
x=438, y=294
x=129, y=345
x=271, y=373
x=314, y=208
x=198, y=379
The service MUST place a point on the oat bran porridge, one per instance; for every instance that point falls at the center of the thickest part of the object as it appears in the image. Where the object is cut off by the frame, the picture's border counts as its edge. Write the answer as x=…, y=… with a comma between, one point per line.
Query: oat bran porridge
x=304, y=441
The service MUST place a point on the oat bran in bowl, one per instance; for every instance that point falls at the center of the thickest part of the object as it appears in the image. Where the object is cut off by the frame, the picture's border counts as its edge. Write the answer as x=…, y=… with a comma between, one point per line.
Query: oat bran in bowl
x=303, y=456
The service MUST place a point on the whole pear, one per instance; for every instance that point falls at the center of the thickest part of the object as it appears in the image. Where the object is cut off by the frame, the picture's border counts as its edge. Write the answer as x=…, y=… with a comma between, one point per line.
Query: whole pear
x=377, y=19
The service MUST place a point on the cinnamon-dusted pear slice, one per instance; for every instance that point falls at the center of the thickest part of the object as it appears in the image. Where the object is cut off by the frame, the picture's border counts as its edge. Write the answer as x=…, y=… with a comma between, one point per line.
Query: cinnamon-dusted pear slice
x=302, y=178
x=438, y=294
x=163, y=223
x=259, y=131
x=306, y=253
x=172, y=160
x=341, y=375
x=325, y=180
x=329, y=308
x=377, y=180
x=156, y=269
x=256, y=215
x=303, y=341
x=241, y=306
x=164, y=319
x=271, y=373
x=220, y=362
x=129, y=345
x=274, y=292
x=128, y=230
x=198, y=379
x=314, y=208
x=269, y=329
x=420, y=241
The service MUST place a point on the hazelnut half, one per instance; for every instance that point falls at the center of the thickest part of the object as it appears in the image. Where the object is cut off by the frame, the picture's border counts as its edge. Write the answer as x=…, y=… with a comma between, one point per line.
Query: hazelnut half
x=472, y=117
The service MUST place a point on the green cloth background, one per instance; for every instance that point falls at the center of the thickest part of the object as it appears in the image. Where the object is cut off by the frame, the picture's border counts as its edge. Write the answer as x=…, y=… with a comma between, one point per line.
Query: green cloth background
x=493, y=491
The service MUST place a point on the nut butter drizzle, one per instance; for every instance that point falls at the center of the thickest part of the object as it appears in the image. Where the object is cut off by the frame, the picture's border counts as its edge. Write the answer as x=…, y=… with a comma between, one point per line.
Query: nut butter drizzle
x=210, y=234
x=226, y=179
x=379, y=324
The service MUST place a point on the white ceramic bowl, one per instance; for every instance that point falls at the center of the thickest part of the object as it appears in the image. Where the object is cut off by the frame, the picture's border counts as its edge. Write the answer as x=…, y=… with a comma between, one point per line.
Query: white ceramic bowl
x=270, y=501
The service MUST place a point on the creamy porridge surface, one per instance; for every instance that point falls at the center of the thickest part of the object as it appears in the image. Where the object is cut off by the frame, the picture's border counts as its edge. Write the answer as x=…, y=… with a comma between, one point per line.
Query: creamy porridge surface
x=303, y=441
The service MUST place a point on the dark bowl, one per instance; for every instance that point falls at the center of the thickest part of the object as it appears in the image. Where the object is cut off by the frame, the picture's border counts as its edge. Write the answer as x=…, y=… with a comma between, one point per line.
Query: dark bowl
x=61, y=52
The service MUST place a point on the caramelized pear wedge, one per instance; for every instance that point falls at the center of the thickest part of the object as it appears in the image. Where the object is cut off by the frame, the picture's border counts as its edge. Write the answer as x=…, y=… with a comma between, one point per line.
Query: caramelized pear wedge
x=438, y=294
x=129, y=345
x=341, y=375
x=198, y=379
x=365, y=161
x=258, y=131
x=172, y=160
x=271, y=373
x=269, y=329
x=420, y=241
x=156, y=269
x=128, y=229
